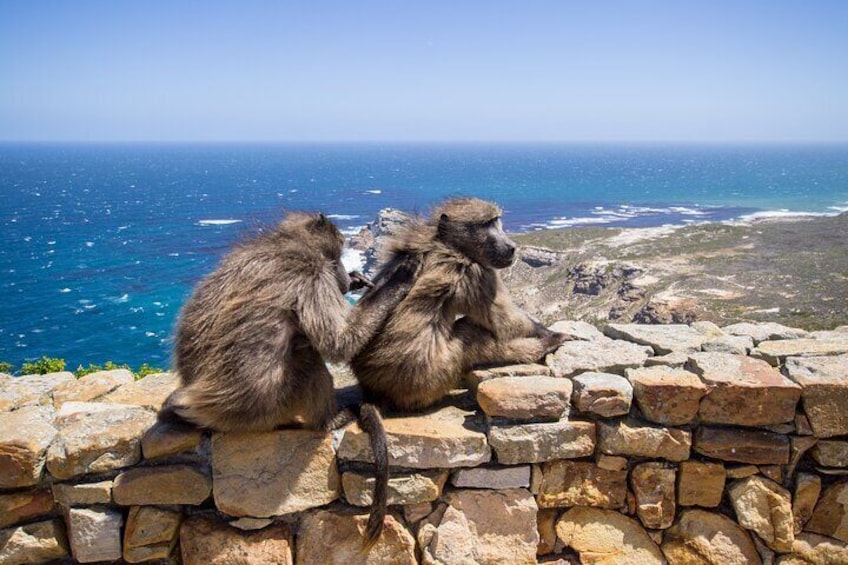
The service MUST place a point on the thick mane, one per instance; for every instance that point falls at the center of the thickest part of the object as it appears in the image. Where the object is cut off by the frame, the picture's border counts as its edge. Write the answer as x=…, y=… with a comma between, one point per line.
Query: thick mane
x=467, y=211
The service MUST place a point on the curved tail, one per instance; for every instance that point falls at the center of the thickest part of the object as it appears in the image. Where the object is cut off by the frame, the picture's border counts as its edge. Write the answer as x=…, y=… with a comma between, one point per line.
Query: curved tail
x=371, y=423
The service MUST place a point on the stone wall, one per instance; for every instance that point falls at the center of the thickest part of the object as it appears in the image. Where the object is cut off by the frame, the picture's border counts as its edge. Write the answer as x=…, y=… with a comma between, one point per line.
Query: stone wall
x=641, y=444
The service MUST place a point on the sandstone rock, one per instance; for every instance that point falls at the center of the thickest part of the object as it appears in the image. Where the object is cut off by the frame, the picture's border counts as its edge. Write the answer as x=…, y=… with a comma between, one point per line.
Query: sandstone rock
x=31, y=390
x=824, y=396
x=611, y=462
x=601, y=356
x=473, y=379
x=204, y=540
x=605, y=537
x=811, y=549
x=85, y=494
x=436, y=440
x=776, y=352
x=33, y=543
x=603, y=394
x=149, y=392
x=98, y=438
x=578, y=331
x=743, y=391
x=700, y=484
x=675, y=360
x=546, y=525
x=414, y=513
x=708, y=538
x=741, y=471
x=631, y=438
x=250, y=524
x=830, y=517
x=662, y=338
x=765, y=508
x=162, y=440
x=91, y=386
x=830, y=453
x=267, y=474
x=413, y=488
x=534, y=443
x=579, y=483
x=497, y=478
x=166, y=484
x=742, y=446
x=25, y=436
x=486, y=527
x=666, y=395
x=735, y=344
x=653, y=486
x=765, y=331
x=95, y=535
x=151, y=533
x=335, y=538
x=24, y=506
x=798, y=446
x=807, y=491
x=525, y=398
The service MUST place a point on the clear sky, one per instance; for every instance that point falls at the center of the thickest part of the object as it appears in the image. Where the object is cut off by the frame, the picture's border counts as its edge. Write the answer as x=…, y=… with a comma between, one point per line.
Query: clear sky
x=525, y=70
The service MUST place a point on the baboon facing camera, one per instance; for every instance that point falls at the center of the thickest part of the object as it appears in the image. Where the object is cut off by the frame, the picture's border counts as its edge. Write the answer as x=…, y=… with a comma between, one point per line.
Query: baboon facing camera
x=253, y=338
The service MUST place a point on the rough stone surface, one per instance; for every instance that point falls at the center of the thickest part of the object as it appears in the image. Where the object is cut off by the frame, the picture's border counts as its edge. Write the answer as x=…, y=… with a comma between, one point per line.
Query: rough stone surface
x=700, y=484
x=701, y=537
x=31, y=390
x=765, y=331
x=205, y=540
x=666, y=395
x=604, y=537
x=525, y=398
x=776, y=352
x=830, y=517
x=20, y=507
x=534, y=443
x=492, y=478
x=580, y=483
x=486, y=527
x=653, y=486
x=335, y=538
x=742, y=446
x=413, y=488
x=601, y=356
x=25, y=436
x=34, y=543
x=830, y=453
x=662, y=338
x=640, y=440
x=824, y=396
x=91, y=386
x=765, y=508
x=267, y=474
x=743, y=391
x=436, y=440
x=166, y=484
x=67, y=494
x=472, y=379
x=812, y=549
x=604, y=394
x=163, y=440
x=149, y=392
x=94, y=438
x=95, y=535
x=578, y=331
x=807, y=491
x=151, y=533
x=735, y=344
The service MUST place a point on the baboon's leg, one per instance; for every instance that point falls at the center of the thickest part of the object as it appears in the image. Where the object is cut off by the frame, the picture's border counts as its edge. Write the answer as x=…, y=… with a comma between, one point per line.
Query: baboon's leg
x=480, y=346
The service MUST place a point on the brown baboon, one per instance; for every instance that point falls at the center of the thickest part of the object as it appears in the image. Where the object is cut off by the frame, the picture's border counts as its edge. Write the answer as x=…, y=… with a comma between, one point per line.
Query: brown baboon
x=457, y=314
x=252, y=340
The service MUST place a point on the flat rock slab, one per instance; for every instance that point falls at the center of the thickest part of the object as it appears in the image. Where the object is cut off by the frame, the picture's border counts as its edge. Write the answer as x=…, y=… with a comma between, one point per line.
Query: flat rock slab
x=95, y=535
x=413, y=488
x=601, y=356
x=765, y=331
x=205, y=540
x=700, y=484
x=441, y=439
x=708, y=538
x=765, y=508
x=824, y=392
x=830, y=517
x=95, y=437
x=151, y=533
x=776, y=352
x=580, y=483
x=654, y=489
x=634, y=439
x=830, y=453
x=666, y=395
x=163, y=440
x=804, y=499
x=39, y=542
x=735, y=344
x=605, y=537
x=496, y=478
x=24, y=506
x=663, y=338
x=31, y=390
x=335, y=538
x=91, y=386
x=534, y=443
x=149, y=392
x=604, y=394
x=165, y=484
x=273, y=473
x=743, y=391
x=578, y=331
x=743, y=446
x=816, y=550
x=25, y=436
x=84, y=494
x=525, y=398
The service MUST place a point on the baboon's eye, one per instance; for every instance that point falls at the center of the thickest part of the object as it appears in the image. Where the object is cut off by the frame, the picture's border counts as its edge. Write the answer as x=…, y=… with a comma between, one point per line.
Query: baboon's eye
x=491, y=223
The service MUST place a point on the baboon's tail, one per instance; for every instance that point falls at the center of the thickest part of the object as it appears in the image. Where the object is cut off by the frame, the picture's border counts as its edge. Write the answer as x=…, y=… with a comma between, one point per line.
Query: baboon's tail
x=371, y=423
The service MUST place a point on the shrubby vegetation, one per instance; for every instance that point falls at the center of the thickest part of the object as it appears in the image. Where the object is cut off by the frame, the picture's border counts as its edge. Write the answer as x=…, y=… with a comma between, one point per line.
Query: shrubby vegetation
x=54, y=365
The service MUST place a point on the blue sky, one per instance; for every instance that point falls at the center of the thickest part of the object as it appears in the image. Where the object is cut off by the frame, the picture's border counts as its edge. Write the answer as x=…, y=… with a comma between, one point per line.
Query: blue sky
x=424, y=71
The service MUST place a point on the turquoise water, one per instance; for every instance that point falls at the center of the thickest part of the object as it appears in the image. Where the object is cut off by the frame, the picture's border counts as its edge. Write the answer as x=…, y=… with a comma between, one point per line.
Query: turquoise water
x=101, y=244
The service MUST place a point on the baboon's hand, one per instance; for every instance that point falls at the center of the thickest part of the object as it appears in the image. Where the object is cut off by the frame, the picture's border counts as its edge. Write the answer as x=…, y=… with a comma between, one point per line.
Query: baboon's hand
x=359, y=281
x=552, y=342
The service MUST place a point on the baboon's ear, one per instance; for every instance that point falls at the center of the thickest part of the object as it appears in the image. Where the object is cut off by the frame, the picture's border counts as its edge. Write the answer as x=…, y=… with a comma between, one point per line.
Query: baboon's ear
x=443, y=225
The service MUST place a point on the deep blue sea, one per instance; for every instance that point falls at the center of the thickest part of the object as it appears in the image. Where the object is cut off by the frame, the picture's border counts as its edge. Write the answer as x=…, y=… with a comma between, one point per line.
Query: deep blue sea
x=101, y=244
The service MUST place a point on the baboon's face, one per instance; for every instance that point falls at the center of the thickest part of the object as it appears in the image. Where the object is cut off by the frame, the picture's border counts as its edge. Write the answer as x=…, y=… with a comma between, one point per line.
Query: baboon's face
x=485, y=243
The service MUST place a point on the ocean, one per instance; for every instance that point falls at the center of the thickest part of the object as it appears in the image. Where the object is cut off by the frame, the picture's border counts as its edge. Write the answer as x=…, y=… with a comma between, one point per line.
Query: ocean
x=101, y=244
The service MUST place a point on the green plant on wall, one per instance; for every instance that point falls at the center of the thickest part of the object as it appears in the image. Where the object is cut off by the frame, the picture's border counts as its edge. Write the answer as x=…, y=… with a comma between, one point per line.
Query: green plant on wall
x=43, y=366
x=6, y=367
x=92, y=368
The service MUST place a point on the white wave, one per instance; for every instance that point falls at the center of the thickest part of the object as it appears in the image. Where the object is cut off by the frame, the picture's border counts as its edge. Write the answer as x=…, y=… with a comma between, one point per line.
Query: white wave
x=343, y=216
x=89, y=244
x=353, y=230
x=120, y=299
x=64, y=290
x=353, y=259
x=375, y=191
x=217, y=222
x=687, y=211
x=570, y=222
x=782, y=214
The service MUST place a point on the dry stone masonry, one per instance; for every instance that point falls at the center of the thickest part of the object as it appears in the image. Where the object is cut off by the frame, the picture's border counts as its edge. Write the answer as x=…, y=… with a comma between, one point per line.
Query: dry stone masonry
x=638, y=444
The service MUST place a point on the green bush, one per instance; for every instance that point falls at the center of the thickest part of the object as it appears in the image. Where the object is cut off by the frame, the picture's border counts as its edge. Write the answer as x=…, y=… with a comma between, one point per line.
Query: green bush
x=43, y=366
x=6, y=367
x=145, y=370
x=92, y=368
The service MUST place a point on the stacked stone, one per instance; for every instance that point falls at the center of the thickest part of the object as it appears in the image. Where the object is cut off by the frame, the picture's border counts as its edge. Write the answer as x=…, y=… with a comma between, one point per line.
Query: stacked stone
x=639, y=444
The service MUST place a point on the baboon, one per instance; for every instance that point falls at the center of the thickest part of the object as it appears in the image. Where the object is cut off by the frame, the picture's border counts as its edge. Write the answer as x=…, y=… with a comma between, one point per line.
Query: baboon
x=253, y=338
x=457, y=315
